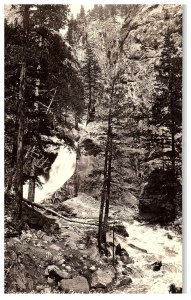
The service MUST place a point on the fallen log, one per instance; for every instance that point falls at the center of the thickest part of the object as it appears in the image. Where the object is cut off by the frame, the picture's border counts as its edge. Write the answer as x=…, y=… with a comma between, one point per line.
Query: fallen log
x=84, y=222
x=137, y=248
x=57, y=214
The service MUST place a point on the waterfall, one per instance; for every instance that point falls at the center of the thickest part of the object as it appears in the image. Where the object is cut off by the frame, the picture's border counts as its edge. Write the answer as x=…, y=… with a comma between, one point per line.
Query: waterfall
x=61, y=170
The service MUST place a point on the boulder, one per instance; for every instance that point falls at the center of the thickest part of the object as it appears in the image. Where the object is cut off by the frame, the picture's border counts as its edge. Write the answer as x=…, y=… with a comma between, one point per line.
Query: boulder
x=47, y=290
x=55, y=247
x=68, y=268
x=39, y=288
x=126, y=259
x=92, y=268
x=54, y=272
x=124, y=272
x=50, y=281
x=125, y=281
x=169, y=236
x=156, y=266
x=121, y=230
x=173, y=289
x=120, y=251
x=78, y=284
x=130, y=200
x=103, y=278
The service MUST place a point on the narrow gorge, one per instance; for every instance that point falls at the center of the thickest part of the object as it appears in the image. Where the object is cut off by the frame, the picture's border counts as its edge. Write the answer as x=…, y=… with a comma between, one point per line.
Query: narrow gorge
x=93, y=149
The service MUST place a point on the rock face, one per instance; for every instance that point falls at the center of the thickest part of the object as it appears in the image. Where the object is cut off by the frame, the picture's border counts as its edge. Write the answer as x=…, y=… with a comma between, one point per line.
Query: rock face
x=141, y=41
x=157, y=199
x=135, y=42
x=103, y=278
x=78, y=284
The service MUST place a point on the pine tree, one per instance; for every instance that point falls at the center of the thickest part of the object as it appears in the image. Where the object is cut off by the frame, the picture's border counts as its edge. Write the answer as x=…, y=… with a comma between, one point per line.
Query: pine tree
x=167, y=107
x=22, y=99
x=72, y=29
x=100, y=12
x=81, y=16
x=52, y=85
x=164, y=138
x=91, y=73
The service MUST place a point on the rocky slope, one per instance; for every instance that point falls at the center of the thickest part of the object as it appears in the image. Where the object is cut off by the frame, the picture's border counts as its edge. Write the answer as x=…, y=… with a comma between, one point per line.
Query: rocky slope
x=63, y=257
x=133, y=45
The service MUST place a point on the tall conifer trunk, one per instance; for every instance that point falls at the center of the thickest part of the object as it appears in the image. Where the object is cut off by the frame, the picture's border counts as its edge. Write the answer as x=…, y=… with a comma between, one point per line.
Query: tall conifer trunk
x=107, y=201
x=105, y=194
x=22, y=86
x=31, y=191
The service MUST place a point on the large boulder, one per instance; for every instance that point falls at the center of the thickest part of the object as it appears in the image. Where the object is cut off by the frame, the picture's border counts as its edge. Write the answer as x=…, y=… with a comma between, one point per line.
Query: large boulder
x=103, y=278
x=130, y=200
x=158, y=199
x=78, y=284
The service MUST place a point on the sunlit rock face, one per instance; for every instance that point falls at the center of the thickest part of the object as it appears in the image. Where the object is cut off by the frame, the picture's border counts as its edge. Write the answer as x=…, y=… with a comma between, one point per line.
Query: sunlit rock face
x=132, y=43
x=141, y=42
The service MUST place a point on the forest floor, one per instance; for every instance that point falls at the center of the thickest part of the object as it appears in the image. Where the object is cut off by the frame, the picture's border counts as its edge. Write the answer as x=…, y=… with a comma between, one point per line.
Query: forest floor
x=51, y=261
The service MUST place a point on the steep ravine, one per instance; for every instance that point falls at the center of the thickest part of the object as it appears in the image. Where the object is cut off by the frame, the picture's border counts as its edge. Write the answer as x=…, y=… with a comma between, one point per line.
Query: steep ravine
x=152, y=243
x=139, y=44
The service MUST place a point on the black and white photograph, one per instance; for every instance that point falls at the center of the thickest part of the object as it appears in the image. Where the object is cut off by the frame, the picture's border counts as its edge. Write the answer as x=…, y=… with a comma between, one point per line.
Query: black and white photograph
x=93, y=133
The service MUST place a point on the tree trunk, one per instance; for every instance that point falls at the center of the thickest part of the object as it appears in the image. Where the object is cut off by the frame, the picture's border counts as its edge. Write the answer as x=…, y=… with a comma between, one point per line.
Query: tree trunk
x=101, y=235
x=90, y=94
x=106, y=215
x=10, y=180
x=114, y=243
x=103, y=195
x=76, y=173
x=19, y=159
x=31, y=190
x=76, y=121
x=173, y=157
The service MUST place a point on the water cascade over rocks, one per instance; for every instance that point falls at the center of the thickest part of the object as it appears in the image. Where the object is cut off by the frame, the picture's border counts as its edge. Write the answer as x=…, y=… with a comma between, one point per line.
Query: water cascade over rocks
x=146, y=244
x=61, y=170
x=159, y=248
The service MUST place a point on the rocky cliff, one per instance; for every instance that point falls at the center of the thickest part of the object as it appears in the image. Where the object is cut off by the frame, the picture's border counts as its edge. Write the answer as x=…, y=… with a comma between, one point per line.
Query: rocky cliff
x=133, y=45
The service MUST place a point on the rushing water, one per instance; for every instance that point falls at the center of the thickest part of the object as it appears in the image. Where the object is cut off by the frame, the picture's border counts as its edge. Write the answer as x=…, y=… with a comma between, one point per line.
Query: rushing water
x=159, y=247
x=154, y=239
x=61, y=170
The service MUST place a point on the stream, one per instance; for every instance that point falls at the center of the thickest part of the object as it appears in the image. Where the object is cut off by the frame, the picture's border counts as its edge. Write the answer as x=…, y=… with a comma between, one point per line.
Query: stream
x=159, y=247
x=154, y=239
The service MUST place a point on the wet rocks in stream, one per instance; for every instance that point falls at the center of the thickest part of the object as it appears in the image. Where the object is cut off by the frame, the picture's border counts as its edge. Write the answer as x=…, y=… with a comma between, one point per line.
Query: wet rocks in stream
x=173, y=289
x=156, y=266
x=122, y=254
x=125, y=282
x=120, y=229
x=120, y=251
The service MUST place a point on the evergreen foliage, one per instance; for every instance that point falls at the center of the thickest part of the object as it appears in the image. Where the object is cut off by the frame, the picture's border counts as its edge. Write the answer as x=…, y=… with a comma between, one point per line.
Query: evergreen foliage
x=52, y=88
